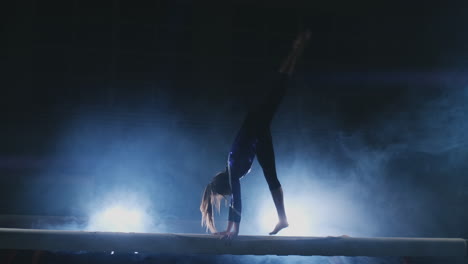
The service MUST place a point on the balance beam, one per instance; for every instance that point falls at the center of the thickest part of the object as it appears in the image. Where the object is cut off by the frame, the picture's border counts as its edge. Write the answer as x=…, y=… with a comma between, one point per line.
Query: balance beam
x=56, y=240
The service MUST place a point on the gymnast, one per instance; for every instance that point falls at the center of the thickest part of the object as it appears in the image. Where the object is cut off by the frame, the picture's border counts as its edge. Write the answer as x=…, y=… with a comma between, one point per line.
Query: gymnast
x=253, y=139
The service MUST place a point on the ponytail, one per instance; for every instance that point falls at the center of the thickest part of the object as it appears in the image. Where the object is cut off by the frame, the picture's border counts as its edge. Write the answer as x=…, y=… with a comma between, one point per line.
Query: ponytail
x=206, y=208
x=214, y=192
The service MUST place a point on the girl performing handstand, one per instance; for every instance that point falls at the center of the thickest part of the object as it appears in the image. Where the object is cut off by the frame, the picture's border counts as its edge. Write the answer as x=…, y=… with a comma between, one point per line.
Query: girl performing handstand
x=253, y=139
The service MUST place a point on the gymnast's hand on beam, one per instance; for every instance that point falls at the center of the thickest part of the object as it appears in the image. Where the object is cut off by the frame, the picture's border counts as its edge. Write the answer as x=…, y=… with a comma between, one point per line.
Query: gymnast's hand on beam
x=227, y=234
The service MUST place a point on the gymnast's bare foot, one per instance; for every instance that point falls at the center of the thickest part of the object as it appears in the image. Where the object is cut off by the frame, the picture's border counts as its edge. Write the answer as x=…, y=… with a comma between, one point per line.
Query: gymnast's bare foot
x=279, y=226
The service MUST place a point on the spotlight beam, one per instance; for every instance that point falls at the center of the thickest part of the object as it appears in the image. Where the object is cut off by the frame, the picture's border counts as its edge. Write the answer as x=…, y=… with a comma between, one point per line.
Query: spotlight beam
x=53, y=240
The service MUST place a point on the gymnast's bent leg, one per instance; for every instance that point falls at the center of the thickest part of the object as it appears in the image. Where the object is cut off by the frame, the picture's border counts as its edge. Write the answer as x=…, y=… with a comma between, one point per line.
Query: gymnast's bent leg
x=265, y=153
x=266, y=158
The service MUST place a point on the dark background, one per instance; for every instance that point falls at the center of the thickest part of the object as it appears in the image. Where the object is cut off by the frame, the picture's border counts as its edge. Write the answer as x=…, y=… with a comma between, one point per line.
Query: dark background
x=138, y=101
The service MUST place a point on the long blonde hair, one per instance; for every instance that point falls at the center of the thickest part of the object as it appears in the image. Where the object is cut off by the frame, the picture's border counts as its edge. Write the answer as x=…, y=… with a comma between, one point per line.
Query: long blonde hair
x=212, y=196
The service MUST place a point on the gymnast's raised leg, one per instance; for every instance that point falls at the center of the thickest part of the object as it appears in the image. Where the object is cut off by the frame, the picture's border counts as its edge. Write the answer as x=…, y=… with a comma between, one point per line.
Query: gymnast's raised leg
x=265, y=151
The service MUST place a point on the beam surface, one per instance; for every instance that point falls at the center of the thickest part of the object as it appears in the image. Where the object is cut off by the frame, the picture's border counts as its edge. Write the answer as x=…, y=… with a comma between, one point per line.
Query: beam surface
x=55, y=240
